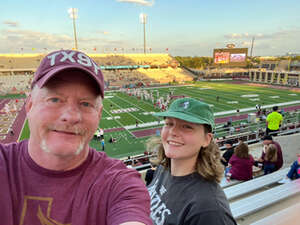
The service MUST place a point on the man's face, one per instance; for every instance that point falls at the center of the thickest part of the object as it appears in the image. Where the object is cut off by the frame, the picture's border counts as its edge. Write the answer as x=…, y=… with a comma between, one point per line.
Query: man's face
x=267, y=142
x=64, y=115
x=228, y=146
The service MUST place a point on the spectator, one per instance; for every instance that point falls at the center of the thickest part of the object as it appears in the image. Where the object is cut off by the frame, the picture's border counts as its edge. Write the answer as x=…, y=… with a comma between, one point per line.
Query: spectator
x=185, y=187
x=102, y=144
x=241, y=163
x=101, y=132
x=150, y=174
x=112, y=140
x=267, y=140
x=270, y=158
x=294, y=172
x=55, y=170
x=273, y=121
x=228, y=152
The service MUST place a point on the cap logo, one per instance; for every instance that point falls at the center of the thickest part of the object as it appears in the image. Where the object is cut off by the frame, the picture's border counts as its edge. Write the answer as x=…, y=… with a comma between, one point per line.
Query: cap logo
x=185, y=105
x=80, y=58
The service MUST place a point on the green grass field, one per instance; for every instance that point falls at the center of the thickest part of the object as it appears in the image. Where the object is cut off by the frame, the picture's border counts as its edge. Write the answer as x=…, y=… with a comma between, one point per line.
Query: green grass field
x=231, y=97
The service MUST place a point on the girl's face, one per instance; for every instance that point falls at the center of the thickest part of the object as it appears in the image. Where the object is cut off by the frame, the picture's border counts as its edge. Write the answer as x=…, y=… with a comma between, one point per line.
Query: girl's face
x=183, y=140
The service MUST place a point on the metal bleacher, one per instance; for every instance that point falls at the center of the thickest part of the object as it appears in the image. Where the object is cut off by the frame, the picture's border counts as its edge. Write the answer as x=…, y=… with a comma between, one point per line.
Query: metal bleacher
x=254, y=184
x=264, y=199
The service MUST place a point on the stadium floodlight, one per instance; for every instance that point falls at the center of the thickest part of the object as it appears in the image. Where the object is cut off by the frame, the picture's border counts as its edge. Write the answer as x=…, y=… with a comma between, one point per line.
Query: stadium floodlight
x=143, y=19
x=73, y=12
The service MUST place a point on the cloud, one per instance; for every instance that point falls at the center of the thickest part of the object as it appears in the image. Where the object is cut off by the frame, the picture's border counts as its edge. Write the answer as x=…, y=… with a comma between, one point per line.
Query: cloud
x=11, y=23
x=281, y=34
x=139, y=2
x=102, y=32
x=26, y=40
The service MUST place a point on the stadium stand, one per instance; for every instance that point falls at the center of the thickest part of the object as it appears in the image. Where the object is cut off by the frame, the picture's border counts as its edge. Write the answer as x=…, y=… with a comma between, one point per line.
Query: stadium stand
x=283, y=217
x=118, y=69
x=263, y=199
x=254, y=184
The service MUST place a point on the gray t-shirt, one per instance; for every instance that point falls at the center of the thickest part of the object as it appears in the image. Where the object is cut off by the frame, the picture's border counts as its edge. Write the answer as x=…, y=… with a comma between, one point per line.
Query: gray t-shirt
x=187, y=200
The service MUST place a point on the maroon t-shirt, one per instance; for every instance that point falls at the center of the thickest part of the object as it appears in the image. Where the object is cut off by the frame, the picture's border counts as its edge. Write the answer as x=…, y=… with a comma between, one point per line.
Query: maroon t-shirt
x=101, y=191
x=279, y=162
x=241, y=168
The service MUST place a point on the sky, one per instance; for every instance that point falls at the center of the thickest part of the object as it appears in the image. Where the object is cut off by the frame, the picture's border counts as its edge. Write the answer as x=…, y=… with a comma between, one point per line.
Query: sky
x=177, y=27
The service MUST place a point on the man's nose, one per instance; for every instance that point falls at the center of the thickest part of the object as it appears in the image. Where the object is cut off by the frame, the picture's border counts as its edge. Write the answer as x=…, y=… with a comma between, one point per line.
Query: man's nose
x=71, y=113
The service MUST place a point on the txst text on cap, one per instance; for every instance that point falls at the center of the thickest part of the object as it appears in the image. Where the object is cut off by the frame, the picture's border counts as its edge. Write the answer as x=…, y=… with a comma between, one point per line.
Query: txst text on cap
x=58, y=61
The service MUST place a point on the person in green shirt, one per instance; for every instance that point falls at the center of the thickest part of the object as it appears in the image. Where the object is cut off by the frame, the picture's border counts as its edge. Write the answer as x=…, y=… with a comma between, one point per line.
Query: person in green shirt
x=274, y=120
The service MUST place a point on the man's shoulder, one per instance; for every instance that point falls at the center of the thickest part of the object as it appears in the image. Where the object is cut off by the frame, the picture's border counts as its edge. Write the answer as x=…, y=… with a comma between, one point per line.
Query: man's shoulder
x=13, y=147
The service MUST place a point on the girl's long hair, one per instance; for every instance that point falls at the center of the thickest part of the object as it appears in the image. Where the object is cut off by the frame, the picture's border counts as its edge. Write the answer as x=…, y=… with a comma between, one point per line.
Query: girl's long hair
x=208, y=165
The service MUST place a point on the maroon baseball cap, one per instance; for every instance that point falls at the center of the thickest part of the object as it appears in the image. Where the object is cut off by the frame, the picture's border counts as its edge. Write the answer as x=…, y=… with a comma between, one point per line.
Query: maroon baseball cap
x=56, y=62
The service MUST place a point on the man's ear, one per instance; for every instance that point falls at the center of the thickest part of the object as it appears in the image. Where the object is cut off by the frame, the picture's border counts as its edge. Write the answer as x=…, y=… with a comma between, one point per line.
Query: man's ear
x=28, y=103
x=100, y=112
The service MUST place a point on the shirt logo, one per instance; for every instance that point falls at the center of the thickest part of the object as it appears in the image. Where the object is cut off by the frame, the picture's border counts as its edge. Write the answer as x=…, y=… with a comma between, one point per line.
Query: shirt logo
x=37, y=210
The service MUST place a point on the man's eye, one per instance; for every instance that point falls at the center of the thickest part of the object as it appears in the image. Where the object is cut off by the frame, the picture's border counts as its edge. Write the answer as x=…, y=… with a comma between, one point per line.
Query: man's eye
x=54, y=100
x=86, y=104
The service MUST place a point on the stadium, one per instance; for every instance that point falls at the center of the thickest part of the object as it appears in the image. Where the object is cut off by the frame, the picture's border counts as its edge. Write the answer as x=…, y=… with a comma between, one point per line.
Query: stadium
x=137, y=85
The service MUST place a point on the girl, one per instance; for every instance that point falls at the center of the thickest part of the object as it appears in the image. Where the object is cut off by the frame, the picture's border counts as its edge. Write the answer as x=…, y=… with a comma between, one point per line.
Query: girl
x=185, y=187
x=269, y=161
x=241, y=163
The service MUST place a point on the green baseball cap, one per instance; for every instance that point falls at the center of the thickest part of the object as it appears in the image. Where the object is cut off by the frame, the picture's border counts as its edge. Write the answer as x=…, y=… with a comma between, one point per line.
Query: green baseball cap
x=191, y=110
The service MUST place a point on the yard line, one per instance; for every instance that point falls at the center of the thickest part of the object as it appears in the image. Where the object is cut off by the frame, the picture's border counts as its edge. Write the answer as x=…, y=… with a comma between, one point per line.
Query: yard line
x=119, y=122
x=126, y=112
x=113, y=118
x=134, y=104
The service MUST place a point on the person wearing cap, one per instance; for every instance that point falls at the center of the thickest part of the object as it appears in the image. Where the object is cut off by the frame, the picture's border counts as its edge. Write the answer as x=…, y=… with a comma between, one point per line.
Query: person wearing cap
x=55, y=177
x=273, y=122
x=185, y=187
x=268, y=140
x=228, y=152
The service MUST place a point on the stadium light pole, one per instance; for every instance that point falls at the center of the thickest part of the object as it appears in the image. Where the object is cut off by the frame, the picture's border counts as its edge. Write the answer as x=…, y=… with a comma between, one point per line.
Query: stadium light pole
x=73, y=12
x=143, y=19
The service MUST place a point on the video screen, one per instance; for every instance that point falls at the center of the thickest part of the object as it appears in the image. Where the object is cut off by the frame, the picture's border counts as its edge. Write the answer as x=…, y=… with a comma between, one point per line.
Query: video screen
x=230, y=56
x=237, y=57
x=222, y=57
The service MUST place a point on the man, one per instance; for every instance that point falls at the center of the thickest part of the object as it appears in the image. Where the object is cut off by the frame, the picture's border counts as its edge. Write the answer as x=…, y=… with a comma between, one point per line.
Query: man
x=273, y=121
x=228, y=152
x=55, y=177
x=267, y=140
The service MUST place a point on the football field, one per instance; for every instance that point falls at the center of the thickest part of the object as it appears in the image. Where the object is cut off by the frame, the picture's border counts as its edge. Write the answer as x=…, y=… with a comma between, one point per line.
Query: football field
x=123, y=115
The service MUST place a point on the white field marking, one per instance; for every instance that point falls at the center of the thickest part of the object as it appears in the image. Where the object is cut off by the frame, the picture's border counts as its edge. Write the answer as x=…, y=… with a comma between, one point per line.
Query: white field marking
x=147, y=113
x=134, y=104
x=249, y=96
x=274, y=96
x=233, y=102
x=108, y=96
x=253, y=108
x=293, y=94
x=254, y=99
x=113, y=118
x=124, y=110
x=128, y=112
x=211, y=105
